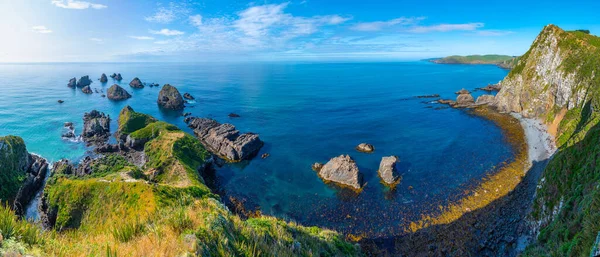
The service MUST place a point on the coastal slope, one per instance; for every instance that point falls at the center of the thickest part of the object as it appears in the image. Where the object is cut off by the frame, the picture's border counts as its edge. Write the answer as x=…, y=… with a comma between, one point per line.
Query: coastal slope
x=502, y=61
x=558, y=81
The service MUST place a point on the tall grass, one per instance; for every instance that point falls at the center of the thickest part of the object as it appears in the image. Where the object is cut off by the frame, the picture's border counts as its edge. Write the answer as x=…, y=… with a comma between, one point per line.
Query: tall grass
x=12, y=227
x=128, y=230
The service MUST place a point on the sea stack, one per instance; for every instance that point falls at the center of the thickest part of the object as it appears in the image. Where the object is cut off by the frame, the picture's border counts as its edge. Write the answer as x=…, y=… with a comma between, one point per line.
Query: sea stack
x=170, y=98
x=188, y=96
x=365, y=148
x=115, y=92
x=464, y=100
x=118, y=77
x=72, y=83
x=84, y=81
x=96, y=127
x=103, y=78
x=388, y=171
x=86, y=90
x=136, y=83
x=342, y=170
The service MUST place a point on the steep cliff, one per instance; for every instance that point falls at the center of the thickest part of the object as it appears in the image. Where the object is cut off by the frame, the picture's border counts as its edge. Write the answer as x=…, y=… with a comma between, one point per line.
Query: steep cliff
x=558, y=81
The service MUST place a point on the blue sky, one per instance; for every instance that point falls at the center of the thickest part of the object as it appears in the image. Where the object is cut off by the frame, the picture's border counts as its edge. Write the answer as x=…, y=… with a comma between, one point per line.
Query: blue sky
x=303, y=30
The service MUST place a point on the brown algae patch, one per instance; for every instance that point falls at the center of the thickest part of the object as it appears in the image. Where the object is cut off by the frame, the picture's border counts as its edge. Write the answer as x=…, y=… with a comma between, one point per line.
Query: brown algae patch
x=494, y=186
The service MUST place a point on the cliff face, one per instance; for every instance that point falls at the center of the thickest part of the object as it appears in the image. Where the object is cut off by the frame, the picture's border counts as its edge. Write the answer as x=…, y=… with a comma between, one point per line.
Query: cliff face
x=558, y=80
x=555, y=73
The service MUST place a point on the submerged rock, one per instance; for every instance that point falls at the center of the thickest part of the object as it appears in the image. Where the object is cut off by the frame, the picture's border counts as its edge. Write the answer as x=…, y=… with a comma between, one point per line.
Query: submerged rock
x=103, y=78
x=342, y=170
x=188, y=96
x=116, y=92
x=170, y=98
x=72, y=83
x=265, y=155
x=86, y=90
x=84, y=81
x=136, y=83
x=96, y=127
x=224, y=140
x=60, y=101
x=388, y=171
x=484, y=99
x=428, y=96
x=233, y=115
x=365, y=148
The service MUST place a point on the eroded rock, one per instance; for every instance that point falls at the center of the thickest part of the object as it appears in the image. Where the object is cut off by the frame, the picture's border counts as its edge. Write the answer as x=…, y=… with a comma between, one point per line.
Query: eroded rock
x=103, y=78
x=342, y=170
x=136, y=83
x=365, y=148
x=388, y=171
x=72, y=83
x=484, y=99
x=170, y=98
x=116, y=92
x=86, y=90
x=96, y=127
x=84, y=81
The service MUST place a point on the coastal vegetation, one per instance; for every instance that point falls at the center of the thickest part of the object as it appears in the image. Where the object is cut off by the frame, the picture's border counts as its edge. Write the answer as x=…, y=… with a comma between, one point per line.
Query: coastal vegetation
x=503, y=61
x=162, y=208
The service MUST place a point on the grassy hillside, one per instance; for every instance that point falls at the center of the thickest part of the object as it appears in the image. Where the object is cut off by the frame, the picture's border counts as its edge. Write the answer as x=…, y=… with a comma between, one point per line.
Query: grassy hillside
x=567, y=205
x=161, y=209
x=13, y=162
x=503, y=61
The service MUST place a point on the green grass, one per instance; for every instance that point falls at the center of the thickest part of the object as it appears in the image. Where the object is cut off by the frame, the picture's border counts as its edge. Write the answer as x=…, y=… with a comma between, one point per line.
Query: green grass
x=153, y=130
x=130, y=121
x=13, y=228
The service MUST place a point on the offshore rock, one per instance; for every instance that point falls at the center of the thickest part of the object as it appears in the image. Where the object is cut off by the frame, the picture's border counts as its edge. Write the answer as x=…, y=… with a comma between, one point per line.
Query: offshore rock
x=84, y=81
x=388, y=171
x=116, y=92
x=224, y=140
x=464, y=100
x=103, y=78
x=72, y=83
x=463, y=91
x=170, y=98
x=86, y=90
x=96, y=127
x=342, y=170
x=136, y=83
x=188, y=96
x=365, y=148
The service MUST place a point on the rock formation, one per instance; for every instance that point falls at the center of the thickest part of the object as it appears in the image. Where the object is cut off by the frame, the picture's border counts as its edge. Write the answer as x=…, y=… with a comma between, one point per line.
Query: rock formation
x=388, y=171
x=116, y=92
x=170, y=98
x=103, y=78
x=136, y=83
x=365, y=148
x=224, y=140
x=86, y=90
x=484, y=99
x=342, y=170
x=462, y=92
x=233, y=115
x=96, y=127
x=188, y=96
x=84, y=81
x=317, y=166
x=464, y=100
x=72, y=83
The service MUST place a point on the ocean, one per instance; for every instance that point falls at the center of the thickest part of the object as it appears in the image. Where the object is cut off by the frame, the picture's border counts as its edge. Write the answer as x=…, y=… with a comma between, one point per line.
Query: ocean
x=305, y=113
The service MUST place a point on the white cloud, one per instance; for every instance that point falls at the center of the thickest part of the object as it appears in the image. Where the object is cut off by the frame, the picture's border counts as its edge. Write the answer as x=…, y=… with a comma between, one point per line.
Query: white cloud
x=379, y=25
x=97, y=40
x=41, y=29
x=162, y=42
x=494, y=32
x=447, y=27
x=168, y=14
x=196, y=20
x=141, y=37
x=73, y=4
x=167, y=32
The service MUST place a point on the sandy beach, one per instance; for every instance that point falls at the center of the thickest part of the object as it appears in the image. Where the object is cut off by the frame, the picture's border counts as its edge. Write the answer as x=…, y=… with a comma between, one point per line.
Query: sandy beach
x=540, y=144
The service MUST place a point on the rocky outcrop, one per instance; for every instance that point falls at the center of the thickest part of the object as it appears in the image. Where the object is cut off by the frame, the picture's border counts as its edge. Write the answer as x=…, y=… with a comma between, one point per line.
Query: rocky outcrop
x=317, y=166
x=484, y=99
x=491, y=88
x=188, y=96
x=36, y=173
x=116, y=92
x=69, y=131
x=342, y=170
x=96, y=127
x=233, y=115
x=365, y=148
x=84, y=81
x=464, y=100
x=388, y=171
x=64, y=167
x=72, y=83
x=170, y=98
x=116, y=76
x=224, y=140
x=86, y=90
x=555, y=73
x=103, y=78
x=462, y=92
x=136, y=83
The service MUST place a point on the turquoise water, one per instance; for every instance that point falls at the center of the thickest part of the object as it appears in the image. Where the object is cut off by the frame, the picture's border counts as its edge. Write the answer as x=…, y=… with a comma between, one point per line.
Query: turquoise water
x=305, y=113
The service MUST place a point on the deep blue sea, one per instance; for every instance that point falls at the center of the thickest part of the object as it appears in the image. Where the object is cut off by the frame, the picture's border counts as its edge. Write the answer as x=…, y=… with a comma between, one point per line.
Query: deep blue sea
x=305, y=113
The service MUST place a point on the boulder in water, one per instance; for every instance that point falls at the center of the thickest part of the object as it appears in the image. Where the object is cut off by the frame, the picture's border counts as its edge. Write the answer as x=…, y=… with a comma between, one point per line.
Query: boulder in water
x=388, y=171
x=72, y=83
x=365, y=148
x=342, y=170
x=116, y=92
x=103, y=78
x=136, y=83
x=60, y=101
x=84, y=81
x=234, y=115
x=188, y=96
x=170, y=98
x=86, y=90
x=118, y=77
x=464, y=100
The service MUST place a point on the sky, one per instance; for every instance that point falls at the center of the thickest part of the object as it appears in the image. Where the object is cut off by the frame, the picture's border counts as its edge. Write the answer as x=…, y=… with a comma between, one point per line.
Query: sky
x=295, y=30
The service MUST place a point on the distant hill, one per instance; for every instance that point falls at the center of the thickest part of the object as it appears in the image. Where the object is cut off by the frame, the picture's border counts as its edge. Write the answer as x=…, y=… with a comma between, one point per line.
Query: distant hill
x=503, y=61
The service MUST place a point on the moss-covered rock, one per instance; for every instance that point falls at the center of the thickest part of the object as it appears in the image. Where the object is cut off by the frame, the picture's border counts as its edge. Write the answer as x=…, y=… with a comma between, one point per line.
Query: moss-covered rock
x=130, y=121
